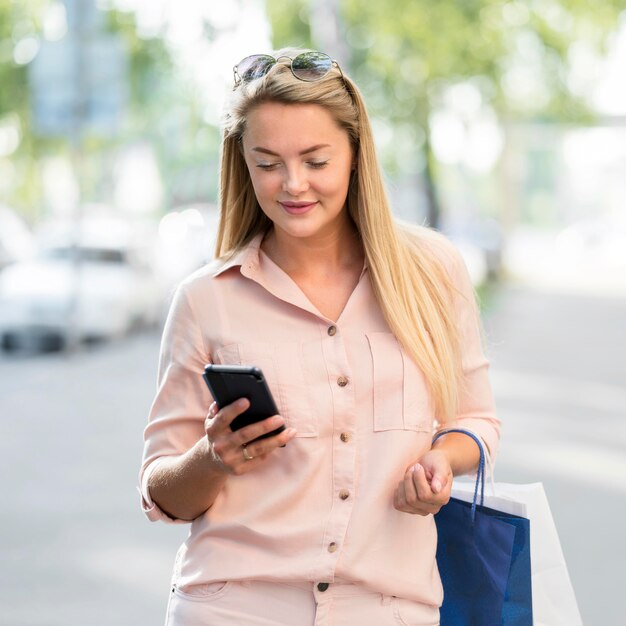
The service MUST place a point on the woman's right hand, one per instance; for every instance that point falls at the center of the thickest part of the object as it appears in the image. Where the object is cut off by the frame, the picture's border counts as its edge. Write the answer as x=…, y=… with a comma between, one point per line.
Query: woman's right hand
x=232, y=451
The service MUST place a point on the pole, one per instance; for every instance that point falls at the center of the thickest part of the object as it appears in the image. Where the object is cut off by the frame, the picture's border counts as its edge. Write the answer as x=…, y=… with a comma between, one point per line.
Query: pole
x=77, y=30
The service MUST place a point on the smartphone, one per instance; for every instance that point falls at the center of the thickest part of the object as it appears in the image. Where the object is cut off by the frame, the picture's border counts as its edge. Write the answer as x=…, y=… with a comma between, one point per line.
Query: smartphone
x=228, y=383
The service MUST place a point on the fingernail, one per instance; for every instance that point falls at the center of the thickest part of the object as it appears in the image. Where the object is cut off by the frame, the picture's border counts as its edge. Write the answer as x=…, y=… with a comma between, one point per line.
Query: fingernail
x=436, y=486
x=417, y=467
x=289, y=432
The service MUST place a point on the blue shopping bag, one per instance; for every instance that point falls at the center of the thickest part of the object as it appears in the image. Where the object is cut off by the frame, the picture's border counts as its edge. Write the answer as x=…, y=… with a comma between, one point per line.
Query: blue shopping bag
x=483, y=556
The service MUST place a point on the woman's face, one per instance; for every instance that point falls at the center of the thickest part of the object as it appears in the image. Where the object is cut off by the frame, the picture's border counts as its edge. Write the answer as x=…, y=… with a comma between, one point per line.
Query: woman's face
x=300, y=163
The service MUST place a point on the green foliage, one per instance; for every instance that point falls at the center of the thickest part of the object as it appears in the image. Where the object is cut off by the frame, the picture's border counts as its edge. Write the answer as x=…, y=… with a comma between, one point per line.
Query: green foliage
x=404, y=54
x=149, y=61
x=17, y=20
x=290, y=23
x=417, y=47
x=151, y=88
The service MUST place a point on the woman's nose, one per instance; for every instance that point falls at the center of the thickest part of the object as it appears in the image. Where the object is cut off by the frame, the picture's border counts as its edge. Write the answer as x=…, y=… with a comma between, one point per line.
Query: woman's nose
x=295, y=182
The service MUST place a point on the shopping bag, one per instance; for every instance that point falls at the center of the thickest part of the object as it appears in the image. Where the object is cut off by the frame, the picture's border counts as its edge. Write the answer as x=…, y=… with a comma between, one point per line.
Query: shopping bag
x=554, y=601
x=484, y=560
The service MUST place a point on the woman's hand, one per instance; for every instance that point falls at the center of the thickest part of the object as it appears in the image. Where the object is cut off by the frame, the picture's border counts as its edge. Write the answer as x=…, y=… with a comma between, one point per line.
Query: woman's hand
x=426, y=485
x=231, y=451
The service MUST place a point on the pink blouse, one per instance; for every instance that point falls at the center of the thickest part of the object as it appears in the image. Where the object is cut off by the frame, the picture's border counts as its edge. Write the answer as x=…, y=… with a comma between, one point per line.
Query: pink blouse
x=320, y=509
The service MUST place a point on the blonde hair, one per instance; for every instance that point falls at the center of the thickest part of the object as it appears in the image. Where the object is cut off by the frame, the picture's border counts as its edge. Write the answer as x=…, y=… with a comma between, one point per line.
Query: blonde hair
x=409, y=279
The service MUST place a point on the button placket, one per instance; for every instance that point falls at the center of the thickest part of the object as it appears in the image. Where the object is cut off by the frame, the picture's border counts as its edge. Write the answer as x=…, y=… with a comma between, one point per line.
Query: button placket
x=344, y=457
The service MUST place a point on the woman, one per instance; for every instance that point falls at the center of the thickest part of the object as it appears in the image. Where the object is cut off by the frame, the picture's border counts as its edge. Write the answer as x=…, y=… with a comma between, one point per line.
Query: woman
x=368, y=334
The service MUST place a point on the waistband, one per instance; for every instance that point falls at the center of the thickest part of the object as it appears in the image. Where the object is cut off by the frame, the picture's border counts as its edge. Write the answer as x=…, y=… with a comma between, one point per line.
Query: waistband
x=337, y=588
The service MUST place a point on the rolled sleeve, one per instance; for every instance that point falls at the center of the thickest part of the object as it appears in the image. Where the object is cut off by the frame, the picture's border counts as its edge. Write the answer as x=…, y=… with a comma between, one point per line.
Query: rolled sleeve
x=176, y=420
x=477, y=411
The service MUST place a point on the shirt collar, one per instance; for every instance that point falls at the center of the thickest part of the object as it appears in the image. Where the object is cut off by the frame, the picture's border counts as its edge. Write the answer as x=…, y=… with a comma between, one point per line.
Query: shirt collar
x=247, y=258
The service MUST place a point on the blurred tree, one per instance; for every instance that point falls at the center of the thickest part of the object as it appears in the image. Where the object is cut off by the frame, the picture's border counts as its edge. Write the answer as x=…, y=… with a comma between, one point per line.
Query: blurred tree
x=19, y=27
x=22, y=26
x=405, y=55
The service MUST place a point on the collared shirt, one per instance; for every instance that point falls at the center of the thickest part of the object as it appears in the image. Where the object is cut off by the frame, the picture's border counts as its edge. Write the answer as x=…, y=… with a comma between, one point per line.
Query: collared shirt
x=321, y=508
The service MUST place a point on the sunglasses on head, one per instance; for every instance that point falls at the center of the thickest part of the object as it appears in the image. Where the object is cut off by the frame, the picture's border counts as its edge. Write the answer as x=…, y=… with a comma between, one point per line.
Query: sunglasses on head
x=307, y=66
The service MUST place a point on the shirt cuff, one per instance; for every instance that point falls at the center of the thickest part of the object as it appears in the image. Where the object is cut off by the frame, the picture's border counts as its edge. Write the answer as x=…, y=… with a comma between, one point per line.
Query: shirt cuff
x=488, y=430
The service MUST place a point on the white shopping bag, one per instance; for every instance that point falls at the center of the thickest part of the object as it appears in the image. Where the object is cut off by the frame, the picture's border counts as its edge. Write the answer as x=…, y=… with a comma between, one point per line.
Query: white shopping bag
x=554, y=602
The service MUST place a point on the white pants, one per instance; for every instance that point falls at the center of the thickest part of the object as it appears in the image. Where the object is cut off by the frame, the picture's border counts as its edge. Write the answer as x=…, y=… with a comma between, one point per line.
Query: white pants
x=258, y=603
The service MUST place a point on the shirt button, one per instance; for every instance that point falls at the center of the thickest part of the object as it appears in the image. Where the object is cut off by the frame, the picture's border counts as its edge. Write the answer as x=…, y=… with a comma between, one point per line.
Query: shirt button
x=332, y=547
x=345, y=437
x=344, y=494
x=342, y=381
x=322, y=586
x=332, y=331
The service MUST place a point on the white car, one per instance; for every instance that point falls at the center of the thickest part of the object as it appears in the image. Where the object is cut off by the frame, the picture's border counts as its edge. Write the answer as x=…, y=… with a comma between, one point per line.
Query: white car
x=16, y=241
x=76, y=292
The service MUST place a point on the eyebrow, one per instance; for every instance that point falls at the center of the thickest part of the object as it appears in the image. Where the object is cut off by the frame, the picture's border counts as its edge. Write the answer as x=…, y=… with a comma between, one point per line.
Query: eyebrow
x=303, y=152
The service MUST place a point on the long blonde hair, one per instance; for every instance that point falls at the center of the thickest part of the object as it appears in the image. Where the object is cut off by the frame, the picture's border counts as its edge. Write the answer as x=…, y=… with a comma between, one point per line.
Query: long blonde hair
x=410, y=282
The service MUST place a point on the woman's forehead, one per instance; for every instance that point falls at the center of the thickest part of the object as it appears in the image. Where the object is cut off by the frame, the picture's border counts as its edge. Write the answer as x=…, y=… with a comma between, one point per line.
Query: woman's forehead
x=299, y=123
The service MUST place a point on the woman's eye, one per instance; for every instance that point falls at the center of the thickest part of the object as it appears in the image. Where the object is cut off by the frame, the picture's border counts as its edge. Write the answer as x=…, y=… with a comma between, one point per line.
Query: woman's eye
x=267, y=166
x=318, y=164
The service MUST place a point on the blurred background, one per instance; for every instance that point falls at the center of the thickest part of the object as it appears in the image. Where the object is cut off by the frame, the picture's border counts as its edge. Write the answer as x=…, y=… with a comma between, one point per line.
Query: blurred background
x=501, y=123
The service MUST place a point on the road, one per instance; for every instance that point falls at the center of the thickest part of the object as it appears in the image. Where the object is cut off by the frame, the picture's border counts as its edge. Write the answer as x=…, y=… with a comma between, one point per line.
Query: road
x=76, y=550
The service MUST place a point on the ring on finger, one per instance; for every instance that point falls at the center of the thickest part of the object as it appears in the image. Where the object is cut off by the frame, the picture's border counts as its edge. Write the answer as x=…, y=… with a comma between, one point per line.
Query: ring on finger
x=246, y=455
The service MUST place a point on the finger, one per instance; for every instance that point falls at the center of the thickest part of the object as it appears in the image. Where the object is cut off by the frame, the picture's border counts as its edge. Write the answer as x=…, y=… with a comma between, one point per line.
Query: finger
x=251, y=456
x=400, y=503
x=424, y=492
x=410, y=492
x=253, y=431
x=439, y=483
x=399, y=500
x=227, y=414
x=269, y=444
x=243, y=466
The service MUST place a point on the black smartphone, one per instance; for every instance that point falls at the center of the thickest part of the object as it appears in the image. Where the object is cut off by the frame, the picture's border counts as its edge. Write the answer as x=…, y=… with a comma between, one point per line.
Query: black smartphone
x=228, y=383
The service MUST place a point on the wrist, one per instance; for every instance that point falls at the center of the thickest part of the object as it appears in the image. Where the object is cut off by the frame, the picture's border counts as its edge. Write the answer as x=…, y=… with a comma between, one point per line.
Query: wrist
x=460, y=452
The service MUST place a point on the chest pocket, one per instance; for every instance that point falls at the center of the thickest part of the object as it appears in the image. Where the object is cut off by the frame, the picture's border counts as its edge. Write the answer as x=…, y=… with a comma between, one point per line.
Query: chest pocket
x=282, y=366
x=401, y=396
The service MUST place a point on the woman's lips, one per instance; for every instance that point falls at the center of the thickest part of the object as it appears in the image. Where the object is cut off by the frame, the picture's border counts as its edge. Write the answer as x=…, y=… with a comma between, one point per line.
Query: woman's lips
x=297, y=208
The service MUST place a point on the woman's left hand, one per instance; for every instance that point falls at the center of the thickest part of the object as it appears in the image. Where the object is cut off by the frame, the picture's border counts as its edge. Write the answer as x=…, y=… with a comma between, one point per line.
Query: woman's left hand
x=426, y=485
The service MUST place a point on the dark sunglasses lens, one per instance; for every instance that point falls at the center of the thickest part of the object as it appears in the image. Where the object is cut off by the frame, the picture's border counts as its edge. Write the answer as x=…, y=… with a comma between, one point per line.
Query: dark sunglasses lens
x=255, y=66
x=311, y=66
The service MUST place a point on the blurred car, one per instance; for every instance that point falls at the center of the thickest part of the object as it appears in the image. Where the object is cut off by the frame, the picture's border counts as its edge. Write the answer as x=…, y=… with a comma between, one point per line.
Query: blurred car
x=16, y=240
x=186, y=240
x=95, y=289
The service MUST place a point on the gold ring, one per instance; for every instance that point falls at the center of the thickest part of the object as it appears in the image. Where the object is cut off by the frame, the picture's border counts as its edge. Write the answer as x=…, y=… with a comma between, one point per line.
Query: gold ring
x=246, y=455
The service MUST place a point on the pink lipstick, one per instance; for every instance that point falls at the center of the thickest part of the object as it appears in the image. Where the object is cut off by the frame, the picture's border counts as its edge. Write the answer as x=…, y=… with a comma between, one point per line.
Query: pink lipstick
x=297, y=208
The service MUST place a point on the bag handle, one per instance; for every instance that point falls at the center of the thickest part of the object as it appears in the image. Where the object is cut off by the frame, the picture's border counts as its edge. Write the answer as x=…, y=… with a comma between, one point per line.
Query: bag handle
x=480, y=474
